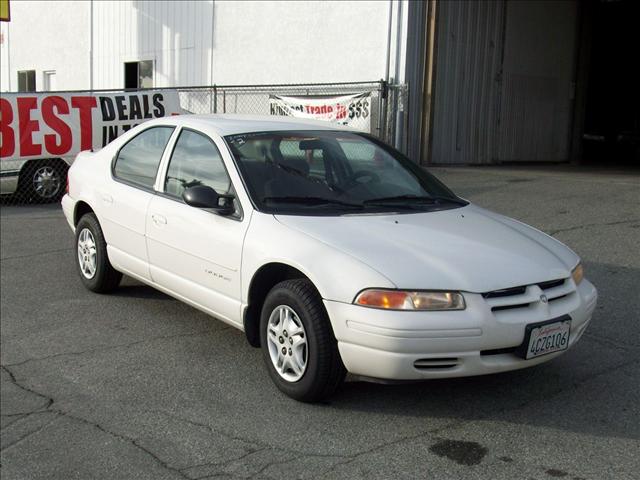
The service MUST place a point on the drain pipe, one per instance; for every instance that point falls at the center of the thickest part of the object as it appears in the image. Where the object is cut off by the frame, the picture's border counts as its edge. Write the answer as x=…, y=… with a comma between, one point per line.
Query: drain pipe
x=91, y=45
x=389, y=28
x=399, y=123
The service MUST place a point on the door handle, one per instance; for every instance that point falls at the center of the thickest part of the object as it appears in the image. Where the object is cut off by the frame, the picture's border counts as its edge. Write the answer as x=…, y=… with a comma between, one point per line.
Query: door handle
x=158, y=219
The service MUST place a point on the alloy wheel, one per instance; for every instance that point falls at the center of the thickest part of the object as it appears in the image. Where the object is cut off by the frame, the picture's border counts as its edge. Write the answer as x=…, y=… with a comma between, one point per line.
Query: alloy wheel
x=287, y=343
x=87, y=253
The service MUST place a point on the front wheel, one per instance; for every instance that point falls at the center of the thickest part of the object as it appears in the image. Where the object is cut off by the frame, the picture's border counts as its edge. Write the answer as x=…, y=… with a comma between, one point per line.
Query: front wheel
x=92, y=262
x=298, y=345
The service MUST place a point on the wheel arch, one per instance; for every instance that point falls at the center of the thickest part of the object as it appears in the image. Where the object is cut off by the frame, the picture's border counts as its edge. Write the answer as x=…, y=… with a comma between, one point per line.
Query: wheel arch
x=32, y=163
x=263, y=280
x=81, y=208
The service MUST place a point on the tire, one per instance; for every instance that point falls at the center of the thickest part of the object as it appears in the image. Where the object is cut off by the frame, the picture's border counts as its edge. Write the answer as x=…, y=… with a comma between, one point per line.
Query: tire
x=43, y=181
x=299, y=303
x=91, y=251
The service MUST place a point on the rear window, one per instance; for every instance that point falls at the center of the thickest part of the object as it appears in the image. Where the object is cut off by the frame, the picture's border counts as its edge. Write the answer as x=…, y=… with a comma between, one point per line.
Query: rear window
x=139, y=159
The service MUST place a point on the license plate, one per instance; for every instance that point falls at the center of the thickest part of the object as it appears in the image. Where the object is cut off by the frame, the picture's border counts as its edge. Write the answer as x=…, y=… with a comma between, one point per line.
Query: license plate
x=546, y=337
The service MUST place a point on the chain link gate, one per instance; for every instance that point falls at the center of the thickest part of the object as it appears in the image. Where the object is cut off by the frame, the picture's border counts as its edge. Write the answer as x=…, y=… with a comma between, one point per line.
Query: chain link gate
x=44, y=180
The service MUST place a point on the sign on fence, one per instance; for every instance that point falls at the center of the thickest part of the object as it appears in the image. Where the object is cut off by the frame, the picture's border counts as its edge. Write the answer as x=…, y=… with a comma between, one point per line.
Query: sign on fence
x=48, y=125
x=351, y=110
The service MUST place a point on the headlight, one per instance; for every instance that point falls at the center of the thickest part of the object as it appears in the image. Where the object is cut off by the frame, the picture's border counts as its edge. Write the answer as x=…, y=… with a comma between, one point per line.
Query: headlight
x=404, y=300
x=577, y=274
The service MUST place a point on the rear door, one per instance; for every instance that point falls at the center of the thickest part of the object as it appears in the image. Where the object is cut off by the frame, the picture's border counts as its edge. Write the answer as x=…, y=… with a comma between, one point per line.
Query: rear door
x=194, y=252
x=126, y=199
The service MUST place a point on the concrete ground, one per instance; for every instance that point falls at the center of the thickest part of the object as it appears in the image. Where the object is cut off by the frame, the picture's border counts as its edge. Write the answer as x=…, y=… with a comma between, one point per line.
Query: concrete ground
x=138, y=385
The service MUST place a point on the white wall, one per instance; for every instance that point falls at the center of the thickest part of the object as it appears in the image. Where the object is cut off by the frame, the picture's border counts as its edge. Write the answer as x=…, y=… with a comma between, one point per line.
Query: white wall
x=46, y=36
x=176, y=35
x=298, y=42
x=253, y=42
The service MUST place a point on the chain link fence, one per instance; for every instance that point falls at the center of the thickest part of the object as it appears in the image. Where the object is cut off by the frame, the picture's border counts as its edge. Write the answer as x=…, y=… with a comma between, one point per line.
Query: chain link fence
x=44, y=180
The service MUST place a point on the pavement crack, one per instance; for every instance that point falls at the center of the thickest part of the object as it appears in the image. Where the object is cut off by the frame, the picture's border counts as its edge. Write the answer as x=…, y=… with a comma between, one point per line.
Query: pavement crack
x=107, y=348
x=47, y=407
x=222, y=463
x=21, y=416
x=133, y=441
x=33, y=432
x=251, y=443
x=12, y=377
x=271, y=464
x=352, y=458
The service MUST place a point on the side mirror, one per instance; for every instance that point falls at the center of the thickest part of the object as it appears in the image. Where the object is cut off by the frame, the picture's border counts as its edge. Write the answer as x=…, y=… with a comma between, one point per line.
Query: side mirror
x=202, y=196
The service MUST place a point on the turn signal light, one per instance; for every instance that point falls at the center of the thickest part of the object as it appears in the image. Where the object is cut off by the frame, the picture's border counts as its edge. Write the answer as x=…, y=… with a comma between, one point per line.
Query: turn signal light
x=408, y=300
x=578, y=274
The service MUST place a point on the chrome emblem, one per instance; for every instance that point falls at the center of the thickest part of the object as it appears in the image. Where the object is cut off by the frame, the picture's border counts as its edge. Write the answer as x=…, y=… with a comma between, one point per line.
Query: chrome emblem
x=543, y=299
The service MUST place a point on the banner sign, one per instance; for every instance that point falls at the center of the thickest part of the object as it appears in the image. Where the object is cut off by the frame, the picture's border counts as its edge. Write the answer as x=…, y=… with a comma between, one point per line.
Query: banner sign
x=47, y=125
x=351, y=110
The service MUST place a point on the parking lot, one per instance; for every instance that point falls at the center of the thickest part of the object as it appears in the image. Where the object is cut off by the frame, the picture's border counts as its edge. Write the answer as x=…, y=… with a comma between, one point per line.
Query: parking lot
x=138, y=385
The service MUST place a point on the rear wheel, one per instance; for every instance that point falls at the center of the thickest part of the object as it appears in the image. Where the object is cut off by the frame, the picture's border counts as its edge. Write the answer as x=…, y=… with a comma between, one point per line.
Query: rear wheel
x=93, y=264
x=298, y=345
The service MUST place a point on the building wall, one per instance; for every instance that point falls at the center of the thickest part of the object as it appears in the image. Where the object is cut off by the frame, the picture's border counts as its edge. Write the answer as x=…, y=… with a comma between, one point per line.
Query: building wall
x=271, y=42
x=537, y=81
x=175, y=35
x=197, y=42
x=46, y=36
x=467, y=81
x=503, y=81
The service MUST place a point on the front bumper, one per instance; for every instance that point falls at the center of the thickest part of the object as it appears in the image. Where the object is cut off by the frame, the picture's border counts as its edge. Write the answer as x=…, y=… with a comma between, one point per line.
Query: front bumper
x=397, y=345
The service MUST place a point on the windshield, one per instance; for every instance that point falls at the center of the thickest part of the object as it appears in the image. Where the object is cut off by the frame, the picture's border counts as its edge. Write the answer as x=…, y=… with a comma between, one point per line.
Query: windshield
x=333, y=172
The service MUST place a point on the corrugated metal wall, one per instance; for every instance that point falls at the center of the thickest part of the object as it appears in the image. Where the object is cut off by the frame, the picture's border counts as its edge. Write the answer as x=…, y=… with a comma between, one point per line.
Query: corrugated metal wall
x=538, y=70
x=468, y=60
x=503, y=81
x=176, y=35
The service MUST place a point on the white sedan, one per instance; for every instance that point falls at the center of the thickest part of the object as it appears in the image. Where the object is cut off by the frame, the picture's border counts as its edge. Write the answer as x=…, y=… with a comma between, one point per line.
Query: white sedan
x=329, y=249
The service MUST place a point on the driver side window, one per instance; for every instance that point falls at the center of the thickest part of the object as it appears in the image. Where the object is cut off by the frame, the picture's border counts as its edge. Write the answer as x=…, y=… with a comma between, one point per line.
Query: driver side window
x=195, y=161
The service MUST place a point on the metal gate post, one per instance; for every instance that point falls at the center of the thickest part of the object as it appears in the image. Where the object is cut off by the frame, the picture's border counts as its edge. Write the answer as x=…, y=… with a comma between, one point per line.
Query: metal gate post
x=382, y=108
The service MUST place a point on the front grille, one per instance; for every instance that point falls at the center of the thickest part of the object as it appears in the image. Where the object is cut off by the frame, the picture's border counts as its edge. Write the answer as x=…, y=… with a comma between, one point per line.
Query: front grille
x=509, y=307
x=551, y=284
x=525, y=296
x=557, y=298
x=507, y=292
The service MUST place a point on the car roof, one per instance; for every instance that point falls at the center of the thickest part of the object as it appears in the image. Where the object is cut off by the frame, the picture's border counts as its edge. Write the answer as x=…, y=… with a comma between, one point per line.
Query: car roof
x=231, y=124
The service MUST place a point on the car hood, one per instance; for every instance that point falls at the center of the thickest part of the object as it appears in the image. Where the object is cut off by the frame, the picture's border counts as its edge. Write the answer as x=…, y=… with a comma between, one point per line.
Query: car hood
x=468, y=248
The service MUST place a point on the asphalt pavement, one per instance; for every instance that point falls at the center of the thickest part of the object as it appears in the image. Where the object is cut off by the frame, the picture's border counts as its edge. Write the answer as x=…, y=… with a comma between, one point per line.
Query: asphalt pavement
x=136, y=385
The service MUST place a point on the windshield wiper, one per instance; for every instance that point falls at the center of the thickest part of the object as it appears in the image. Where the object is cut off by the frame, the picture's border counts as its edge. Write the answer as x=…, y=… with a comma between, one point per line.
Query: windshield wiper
x=311, y=201
x=409, y=199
